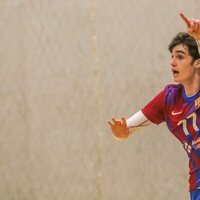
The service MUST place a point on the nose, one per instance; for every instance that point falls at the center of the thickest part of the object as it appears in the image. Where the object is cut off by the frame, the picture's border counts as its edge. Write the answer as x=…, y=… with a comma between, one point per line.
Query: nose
x=173, y=62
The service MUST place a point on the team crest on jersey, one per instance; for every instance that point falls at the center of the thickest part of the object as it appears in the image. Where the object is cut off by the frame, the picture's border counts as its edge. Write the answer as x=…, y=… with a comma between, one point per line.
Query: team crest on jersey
x=197, y=103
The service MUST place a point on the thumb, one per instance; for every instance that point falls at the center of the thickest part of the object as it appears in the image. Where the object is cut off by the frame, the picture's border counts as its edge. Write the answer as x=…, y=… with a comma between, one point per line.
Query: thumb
x=124, y=121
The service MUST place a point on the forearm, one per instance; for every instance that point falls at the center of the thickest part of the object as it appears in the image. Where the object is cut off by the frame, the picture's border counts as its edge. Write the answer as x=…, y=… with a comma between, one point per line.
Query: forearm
x=123, y=128
x=137, y=121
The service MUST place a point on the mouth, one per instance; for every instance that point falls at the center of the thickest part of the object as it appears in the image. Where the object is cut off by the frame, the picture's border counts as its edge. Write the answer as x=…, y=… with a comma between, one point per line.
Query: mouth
x=175, y=72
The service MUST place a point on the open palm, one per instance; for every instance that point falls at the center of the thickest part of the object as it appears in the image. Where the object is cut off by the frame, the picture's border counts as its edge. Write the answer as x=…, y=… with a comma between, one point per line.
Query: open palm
x=119, y=128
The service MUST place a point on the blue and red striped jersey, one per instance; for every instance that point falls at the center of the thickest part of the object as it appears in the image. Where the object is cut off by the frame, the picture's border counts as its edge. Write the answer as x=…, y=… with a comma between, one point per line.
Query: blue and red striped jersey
x=182, y=116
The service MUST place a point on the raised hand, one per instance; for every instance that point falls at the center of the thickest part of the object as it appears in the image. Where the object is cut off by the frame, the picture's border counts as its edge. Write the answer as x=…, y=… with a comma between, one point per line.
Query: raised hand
x=193, y=26
x=119, y=128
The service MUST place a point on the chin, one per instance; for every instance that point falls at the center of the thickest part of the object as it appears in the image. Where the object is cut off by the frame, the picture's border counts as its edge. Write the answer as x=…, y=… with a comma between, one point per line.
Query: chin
x=176, y=80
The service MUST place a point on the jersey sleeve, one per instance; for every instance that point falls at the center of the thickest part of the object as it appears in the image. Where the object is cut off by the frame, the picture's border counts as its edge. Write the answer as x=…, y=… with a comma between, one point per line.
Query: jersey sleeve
x=154, y=110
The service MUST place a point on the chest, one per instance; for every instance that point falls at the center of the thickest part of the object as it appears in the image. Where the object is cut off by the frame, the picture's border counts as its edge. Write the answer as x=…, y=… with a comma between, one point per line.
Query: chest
x=183, y=119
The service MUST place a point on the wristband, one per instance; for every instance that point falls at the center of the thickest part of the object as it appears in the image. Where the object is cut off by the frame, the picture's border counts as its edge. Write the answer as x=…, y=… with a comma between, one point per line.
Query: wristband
x=136, y=120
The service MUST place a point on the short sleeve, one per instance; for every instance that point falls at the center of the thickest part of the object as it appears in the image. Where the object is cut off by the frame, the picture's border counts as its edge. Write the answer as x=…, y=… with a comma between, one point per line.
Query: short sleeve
x=154, y=110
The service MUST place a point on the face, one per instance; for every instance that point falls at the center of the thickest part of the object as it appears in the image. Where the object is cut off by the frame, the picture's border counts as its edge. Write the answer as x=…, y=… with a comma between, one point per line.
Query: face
x=183, y=69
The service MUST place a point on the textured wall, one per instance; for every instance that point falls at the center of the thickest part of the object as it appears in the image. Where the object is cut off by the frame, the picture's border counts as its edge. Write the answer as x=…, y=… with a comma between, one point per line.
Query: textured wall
x=66, y=67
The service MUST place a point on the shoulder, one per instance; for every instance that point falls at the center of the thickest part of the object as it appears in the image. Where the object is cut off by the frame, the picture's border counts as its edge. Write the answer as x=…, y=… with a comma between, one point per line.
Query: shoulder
x=173, y=87
x=172, y=91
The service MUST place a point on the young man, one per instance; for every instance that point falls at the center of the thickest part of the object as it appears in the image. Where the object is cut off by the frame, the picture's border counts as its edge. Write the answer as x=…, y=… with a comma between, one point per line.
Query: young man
x=178, y=104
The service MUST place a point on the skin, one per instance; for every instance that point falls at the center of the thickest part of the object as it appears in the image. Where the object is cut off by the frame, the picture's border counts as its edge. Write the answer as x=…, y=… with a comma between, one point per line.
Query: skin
x=193, y=26
x=185, y=71
x=188, y=74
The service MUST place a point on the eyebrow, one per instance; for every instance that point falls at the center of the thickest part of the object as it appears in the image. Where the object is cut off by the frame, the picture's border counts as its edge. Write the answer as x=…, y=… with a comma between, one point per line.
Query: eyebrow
x=179, y=51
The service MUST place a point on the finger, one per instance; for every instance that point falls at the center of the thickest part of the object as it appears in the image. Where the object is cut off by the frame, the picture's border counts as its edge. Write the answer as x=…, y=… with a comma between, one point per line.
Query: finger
x=199, y=25
x=123, y=121
x=110, y=123
x=196, y=25
x=114, y=120
x=191, y=28
x=185, y=19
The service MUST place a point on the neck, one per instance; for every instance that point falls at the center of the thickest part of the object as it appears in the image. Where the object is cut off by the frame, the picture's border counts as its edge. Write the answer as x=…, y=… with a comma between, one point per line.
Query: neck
x=192, y=87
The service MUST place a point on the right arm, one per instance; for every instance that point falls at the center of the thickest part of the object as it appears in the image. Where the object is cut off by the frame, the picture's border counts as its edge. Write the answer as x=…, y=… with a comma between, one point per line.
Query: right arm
x=121, y=129
x=153, y=112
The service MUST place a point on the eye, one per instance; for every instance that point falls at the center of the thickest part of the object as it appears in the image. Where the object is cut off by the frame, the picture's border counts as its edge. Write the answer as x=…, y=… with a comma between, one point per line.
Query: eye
x=180, y=57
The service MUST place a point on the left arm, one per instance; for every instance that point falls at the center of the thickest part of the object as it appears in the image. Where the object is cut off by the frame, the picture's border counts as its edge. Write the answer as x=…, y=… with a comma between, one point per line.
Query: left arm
x=193, y=26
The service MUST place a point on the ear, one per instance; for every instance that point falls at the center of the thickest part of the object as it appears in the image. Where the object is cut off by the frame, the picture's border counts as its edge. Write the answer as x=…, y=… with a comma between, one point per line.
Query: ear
x=197, y=63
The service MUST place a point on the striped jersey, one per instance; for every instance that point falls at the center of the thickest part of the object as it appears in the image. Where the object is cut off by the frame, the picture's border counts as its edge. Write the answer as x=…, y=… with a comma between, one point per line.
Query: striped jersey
x=182, y=116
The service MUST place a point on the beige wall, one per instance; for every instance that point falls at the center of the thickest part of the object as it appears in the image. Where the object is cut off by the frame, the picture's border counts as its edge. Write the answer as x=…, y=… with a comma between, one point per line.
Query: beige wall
x=66, y=67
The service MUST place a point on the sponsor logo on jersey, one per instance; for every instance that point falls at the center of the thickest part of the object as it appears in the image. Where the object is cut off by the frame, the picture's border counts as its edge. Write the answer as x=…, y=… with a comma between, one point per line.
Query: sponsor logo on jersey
x=176, y=113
